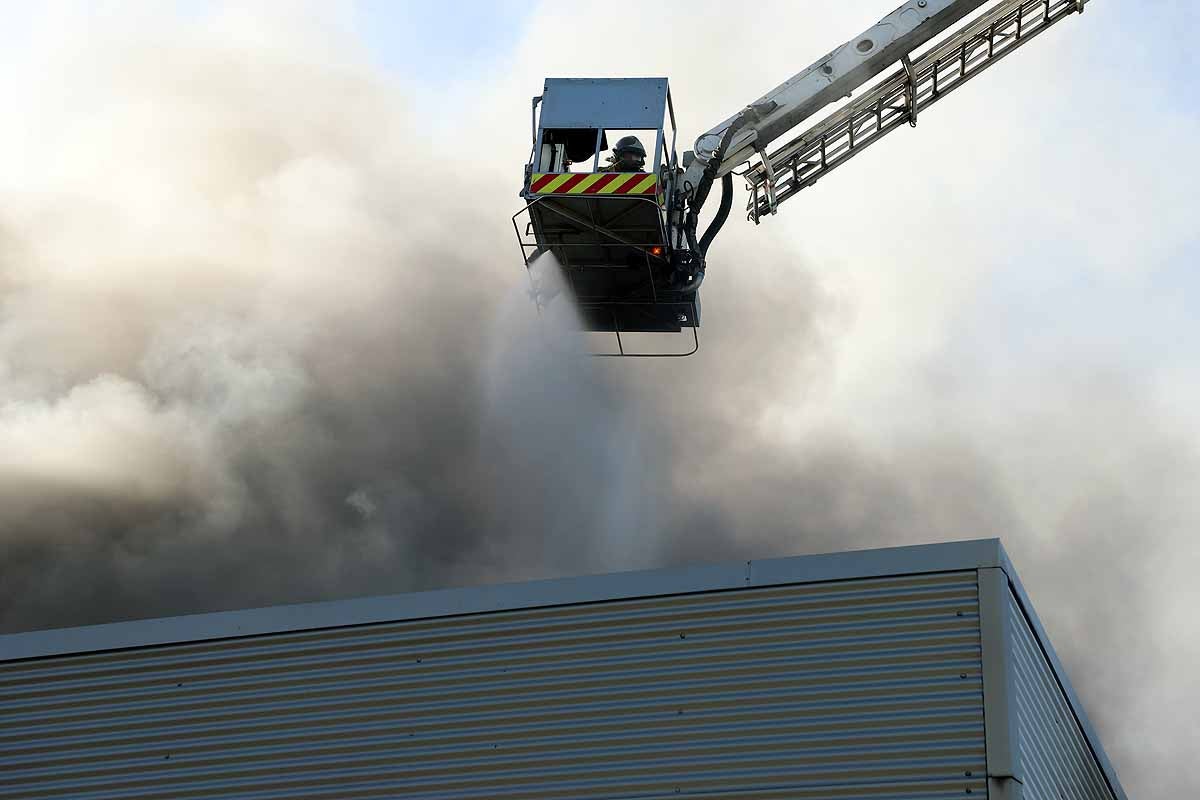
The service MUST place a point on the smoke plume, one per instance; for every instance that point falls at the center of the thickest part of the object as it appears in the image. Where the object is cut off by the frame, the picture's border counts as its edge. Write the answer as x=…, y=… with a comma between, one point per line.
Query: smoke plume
x=265, y=338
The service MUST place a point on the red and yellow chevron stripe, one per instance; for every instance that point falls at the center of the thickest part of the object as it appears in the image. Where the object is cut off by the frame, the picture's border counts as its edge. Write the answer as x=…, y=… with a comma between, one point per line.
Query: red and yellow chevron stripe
x=600, y=183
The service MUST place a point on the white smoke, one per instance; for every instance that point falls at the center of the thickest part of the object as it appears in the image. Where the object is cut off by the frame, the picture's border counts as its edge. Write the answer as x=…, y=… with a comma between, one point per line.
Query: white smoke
x=565, y=439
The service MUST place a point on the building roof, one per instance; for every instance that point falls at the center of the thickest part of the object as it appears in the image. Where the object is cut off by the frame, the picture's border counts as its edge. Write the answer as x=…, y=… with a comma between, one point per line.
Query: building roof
x=911, y=560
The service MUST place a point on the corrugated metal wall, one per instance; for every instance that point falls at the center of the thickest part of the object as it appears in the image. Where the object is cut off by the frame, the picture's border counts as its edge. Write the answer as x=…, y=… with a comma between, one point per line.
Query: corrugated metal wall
x=1056, y=761
x=850, y=689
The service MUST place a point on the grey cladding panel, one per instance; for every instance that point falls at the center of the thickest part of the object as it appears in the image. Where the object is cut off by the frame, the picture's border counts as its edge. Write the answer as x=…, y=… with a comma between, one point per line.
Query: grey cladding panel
x=850, y=689
x=1056, y=761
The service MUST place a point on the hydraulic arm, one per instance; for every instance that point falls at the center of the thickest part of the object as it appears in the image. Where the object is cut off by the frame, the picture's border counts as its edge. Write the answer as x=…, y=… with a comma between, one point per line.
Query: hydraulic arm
x=948, y=63
x=919, y=84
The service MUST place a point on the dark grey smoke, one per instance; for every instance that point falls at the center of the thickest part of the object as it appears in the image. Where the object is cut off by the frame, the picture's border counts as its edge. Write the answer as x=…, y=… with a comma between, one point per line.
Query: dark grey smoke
x=255, y=350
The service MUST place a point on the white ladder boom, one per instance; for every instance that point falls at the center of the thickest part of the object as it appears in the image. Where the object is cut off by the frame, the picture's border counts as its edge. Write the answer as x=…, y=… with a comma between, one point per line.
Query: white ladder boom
x=944, y=67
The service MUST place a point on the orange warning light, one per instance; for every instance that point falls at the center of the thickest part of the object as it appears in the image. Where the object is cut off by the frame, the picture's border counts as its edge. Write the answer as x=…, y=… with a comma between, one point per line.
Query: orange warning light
x=656, y=251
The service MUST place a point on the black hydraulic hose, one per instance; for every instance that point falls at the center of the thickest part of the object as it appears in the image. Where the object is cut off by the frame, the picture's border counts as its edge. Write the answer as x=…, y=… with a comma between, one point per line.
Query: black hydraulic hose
x=714, y=163
x=700, y=249
x=698, y=274
x=714, y=227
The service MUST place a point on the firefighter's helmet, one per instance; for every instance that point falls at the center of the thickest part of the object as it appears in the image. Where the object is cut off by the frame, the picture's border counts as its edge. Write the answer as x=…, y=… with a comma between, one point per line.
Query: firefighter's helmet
x=629, y=144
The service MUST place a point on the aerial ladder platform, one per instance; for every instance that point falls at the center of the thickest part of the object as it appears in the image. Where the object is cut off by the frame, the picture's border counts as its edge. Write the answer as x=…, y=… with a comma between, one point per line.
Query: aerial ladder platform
x=626, y=234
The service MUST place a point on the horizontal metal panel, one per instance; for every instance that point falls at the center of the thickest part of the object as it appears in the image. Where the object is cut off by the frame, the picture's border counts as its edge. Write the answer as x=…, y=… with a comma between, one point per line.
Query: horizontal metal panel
x=848, y=689
x=1057, y=762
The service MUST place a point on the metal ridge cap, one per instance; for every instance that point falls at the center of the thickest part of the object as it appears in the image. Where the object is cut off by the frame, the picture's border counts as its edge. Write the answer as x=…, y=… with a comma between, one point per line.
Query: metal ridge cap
x=132, y=634
x=905, y=560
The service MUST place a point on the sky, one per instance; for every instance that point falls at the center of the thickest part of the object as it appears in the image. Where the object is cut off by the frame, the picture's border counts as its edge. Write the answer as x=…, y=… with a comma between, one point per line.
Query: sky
x=263, y=335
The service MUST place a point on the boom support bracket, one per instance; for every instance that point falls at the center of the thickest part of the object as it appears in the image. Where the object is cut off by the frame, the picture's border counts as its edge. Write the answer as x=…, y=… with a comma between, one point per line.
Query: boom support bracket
x=910, y=92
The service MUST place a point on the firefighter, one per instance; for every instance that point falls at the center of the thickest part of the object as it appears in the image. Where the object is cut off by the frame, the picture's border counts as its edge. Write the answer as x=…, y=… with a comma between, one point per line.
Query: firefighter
x=628, y=155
